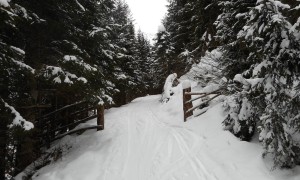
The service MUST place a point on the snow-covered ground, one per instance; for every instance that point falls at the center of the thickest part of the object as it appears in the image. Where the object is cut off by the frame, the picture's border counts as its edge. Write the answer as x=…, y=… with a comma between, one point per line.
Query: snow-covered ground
x=147, y=140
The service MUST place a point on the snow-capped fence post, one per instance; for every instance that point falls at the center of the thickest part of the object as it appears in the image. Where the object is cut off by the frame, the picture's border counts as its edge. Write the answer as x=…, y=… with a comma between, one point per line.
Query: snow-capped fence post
x=187, y=104
x=100, y=117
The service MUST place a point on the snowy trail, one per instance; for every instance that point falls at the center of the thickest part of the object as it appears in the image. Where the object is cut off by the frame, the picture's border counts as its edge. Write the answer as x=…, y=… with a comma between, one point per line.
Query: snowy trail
x=155, y=150
x=146, y=140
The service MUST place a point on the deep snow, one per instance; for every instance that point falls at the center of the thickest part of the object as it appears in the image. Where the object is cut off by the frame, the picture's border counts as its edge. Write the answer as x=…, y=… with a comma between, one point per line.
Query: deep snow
x=147, y=140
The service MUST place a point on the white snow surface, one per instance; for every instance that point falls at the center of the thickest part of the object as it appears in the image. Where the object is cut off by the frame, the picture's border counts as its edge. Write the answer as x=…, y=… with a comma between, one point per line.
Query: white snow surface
x=148, y=140
x=186, y=84
x=4, y=3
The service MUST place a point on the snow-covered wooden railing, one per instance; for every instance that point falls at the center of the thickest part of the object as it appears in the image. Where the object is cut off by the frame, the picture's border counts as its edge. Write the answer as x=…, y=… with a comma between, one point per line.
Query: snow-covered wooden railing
x=188, y=107
x=62, y=122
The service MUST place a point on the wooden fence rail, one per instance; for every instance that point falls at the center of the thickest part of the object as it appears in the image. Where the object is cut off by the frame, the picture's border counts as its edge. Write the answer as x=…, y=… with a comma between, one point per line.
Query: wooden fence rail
x=188, y=107
x=62, y=122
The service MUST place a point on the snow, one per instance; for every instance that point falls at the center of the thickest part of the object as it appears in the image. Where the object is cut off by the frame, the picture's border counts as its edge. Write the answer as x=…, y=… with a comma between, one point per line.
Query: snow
x=258, y=68
x=210, y=88
x=18, y=50
x=81, y=7
x=82, y=79
x=23, y=65
x=4, y=3
x=57, y=80
x=58, y=72
x=239, y=78
x=72, y=58
x=186, y=84
x=161, y=28
x=207, y=71
x=148, y=140
x=185, y=53
x=168, y=90
x=67, y=80
x=96, y=30
x=18, y=120
x=247, y=83
x=280, y=4
x=108, y=53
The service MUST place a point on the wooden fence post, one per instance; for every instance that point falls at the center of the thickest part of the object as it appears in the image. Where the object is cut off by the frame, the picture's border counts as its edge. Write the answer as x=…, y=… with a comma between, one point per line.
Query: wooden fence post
x=186, y=87
x=100, y=117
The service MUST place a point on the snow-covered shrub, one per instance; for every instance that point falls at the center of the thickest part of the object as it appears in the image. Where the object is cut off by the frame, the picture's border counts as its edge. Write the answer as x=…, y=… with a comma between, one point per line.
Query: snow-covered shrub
x=168, y=90
x=277, y=140
x=241, y=118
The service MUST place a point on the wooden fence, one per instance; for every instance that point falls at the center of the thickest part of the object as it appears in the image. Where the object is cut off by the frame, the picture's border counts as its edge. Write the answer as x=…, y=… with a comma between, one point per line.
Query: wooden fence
x=188, y=107
x=62, y=122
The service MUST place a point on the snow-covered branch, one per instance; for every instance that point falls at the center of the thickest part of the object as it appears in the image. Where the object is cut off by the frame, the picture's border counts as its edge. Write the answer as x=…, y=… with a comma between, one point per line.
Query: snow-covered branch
x=18, y=120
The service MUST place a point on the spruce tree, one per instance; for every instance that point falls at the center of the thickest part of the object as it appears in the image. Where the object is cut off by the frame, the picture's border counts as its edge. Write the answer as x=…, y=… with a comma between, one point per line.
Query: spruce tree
x=229, y=23
x=15, y=74
x=269, y=82
x=163, y=62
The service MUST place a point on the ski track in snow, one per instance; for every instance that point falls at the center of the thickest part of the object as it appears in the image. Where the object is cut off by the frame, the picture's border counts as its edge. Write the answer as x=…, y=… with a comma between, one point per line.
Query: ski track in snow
x=144, y=147
x=144, y=141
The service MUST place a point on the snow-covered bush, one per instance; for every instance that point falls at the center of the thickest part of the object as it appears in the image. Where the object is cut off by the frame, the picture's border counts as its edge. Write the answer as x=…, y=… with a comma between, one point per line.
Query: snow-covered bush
x=168, y=88
x=241, y=118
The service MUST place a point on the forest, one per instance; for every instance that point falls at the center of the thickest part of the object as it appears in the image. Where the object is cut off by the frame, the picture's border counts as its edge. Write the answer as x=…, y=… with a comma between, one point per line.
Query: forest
x=54, y=53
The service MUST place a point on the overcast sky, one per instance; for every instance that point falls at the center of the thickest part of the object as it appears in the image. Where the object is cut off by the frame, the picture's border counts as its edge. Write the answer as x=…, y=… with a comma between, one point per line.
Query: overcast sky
x=148, y=14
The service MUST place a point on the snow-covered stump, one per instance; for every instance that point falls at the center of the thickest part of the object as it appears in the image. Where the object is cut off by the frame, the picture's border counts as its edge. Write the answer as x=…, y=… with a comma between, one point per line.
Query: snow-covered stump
x=186, y=97
x=100, y=117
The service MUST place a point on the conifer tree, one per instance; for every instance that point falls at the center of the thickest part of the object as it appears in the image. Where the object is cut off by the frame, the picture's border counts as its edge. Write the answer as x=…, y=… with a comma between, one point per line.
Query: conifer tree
x=162, y=54
x=268, y=84
x=14, y=75
x=143, y=55
x=124, y=44
x=201, y=25
x=229, y=23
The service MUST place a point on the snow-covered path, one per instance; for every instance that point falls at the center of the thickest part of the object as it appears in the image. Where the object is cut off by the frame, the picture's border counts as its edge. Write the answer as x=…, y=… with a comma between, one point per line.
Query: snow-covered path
x=146, y=140
x=157, y=150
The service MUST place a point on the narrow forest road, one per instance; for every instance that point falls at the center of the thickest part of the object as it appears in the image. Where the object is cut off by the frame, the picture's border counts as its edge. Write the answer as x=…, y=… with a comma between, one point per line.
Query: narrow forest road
x=155, y=149
x=147, y=140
